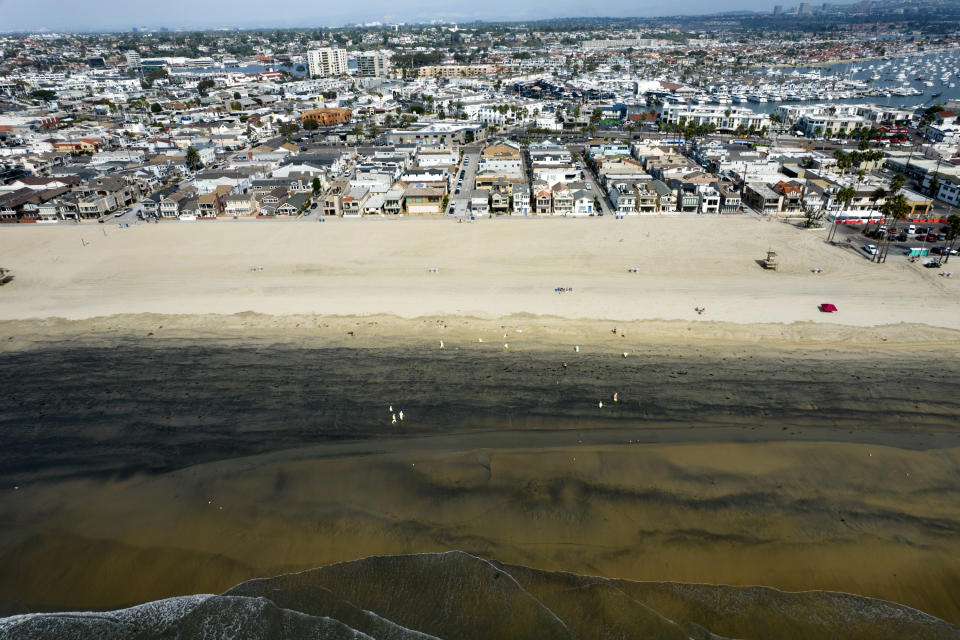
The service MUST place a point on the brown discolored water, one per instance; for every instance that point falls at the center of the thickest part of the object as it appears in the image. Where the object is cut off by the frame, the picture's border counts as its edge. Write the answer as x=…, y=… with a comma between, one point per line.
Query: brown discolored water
x=148, y=470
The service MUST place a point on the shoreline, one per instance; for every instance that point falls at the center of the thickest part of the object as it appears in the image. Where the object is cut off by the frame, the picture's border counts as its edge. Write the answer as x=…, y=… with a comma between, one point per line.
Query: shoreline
x=536, y=332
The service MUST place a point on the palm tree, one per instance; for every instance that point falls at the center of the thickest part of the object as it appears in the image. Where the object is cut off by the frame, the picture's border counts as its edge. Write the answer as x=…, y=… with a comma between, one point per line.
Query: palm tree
x=896, y=208
x=875, y=197
x=952, y=234
x=844, y=195
x=896, y=183
x=843, y=160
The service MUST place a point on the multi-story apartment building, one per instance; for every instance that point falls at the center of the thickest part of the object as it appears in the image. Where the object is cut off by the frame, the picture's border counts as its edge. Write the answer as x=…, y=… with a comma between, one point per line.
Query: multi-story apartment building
x=722, y=117
x=373, y=64
x=133, y=60
x=326, y=62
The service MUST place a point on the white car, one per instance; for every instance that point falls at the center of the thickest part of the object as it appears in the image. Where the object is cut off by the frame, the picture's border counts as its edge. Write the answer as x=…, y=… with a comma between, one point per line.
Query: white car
x=871, y=249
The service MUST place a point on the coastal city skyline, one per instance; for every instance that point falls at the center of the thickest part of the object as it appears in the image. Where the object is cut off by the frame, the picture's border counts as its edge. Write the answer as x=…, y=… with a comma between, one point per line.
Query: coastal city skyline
x=124, y=15
x=490, y=322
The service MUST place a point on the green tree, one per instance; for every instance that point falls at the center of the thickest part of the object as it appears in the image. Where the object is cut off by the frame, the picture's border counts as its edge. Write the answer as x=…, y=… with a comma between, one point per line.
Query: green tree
x=193, y=157
x=287, y=129
x=156, y=108
x=43, y=94
x=843, y=159
x=153, y=76
x=310, y=124
x=317, y=185
x=812, y=217
x=205, y=85
x=896, y=183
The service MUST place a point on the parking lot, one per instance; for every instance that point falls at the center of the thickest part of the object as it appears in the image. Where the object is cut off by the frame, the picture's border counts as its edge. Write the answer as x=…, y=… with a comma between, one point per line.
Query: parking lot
x=925, y=242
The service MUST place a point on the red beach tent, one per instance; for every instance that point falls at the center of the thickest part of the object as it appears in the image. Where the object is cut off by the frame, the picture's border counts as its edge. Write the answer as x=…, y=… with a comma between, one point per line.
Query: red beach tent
x=826, y=307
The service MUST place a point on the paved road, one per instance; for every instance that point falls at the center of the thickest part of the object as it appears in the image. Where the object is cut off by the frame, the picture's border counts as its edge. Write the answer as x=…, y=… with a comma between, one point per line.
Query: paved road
x=468, y=166
x=127, y=219
x=595, y=187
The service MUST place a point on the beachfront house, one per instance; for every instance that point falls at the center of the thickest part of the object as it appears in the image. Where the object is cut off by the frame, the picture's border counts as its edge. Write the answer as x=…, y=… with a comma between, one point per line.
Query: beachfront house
x=293, y=205
x=352, y=202
x=393, y=202
x=709, y=199
x=666, y=198
x=562, y=200
x=583, y=203
x=791, y=195
x=646, y=197
x=542, y=198
x=521, y=199
x=729, y=197
x=479, y=202
x=760, y=197
x=623, y=199
x=241, y=205
x=423, y=200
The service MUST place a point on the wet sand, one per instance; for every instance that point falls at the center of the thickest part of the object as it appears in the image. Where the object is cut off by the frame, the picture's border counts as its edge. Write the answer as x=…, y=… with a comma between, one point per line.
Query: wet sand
x=158, y=465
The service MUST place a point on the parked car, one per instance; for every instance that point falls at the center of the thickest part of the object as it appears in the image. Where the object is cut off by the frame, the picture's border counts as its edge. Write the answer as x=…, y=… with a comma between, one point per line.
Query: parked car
x=912, y=228
x=938, y=251
x=932, y=264
x=871, y=249
x=903, y=237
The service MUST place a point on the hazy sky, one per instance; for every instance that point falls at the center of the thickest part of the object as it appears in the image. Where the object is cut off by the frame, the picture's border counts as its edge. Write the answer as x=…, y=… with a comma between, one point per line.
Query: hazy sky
x=93, y=15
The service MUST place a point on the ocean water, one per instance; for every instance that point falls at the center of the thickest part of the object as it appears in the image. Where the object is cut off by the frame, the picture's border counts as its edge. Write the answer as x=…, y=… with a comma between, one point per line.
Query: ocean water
x=138, y=469
x=457, y=595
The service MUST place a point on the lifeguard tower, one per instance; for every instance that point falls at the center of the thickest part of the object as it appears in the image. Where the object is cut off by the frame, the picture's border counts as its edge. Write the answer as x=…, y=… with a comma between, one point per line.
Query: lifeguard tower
x=771, y=262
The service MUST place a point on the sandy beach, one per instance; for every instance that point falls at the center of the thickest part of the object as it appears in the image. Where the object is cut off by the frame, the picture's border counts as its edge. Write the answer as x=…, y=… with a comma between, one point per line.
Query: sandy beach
x=180, y=423
x=488, y=269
